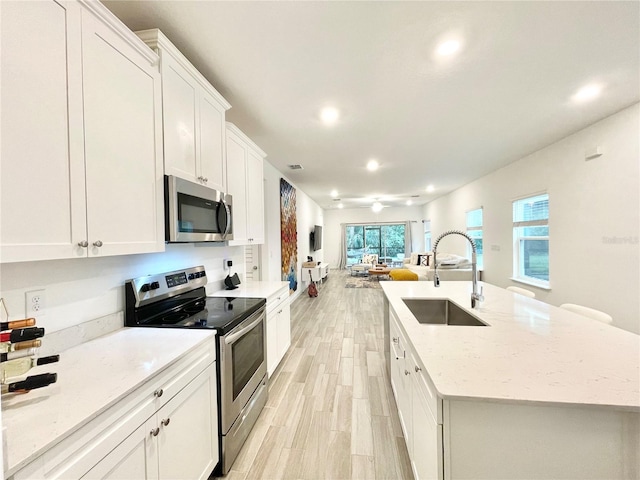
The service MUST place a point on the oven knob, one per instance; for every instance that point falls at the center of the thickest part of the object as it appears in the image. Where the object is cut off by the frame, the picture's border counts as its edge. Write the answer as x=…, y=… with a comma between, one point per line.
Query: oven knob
x=154, y=285
x=191, y=276
x=145, y=288
x=201, y=274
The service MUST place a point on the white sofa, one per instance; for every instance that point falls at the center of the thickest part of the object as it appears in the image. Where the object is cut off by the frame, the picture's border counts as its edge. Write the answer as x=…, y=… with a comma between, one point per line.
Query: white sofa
x=451, y=267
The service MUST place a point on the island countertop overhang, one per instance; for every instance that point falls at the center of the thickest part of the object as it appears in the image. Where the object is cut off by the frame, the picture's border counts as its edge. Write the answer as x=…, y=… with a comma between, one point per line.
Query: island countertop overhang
x=530, y=351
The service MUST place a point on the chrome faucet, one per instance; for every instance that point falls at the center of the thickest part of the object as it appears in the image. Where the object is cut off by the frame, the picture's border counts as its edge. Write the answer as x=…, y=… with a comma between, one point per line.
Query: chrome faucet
x=476, y=297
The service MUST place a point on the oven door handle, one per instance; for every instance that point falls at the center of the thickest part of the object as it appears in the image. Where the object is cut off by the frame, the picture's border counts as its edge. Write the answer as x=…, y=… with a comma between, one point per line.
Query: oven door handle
x=229, y=339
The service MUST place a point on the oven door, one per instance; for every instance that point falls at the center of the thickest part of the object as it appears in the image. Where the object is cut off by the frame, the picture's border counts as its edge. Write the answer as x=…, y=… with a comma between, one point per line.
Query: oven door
x=243, y=365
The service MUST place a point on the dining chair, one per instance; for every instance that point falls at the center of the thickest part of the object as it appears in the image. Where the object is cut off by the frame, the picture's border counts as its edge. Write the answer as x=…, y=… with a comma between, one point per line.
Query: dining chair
x=588, y=312
x=522, y=291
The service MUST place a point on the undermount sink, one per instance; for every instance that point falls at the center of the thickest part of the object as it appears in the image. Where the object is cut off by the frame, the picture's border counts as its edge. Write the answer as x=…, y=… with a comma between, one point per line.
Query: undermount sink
x=441, y=312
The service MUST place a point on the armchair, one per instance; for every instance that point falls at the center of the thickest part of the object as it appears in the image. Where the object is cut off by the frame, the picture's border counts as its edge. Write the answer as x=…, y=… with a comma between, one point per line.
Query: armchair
x=368, y=261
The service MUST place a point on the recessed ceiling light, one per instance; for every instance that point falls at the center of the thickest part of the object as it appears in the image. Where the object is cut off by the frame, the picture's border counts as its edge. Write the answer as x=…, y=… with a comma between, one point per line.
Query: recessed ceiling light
x=372, y=165
x=329, y=115
x=430, y=188
x=409, y=202
x=376, y=207
x=340, y=205
x=586, y=93
x=448, y=48
x=334, y=193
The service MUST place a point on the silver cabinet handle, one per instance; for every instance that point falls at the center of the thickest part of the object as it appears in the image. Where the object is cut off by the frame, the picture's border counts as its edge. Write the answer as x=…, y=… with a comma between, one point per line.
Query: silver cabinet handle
x=164, y=423
x=418, y=369
x=406, y=372
x=158, y=393
x=97, y=243
x=155, y=432
x=83, y=244
x=205, y=179
x=395, y=339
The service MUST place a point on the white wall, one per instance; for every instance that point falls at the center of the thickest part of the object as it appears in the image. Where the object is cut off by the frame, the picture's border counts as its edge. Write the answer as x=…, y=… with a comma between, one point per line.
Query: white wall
x=309, y=214
x=593, y=220
x=334, y=217
x=83, y=289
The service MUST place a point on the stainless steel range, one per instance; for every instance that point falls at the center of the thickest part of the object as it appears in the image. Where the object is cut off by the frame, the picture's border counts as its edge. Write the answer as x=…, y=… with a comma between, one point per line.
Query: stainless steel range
x=178, y=300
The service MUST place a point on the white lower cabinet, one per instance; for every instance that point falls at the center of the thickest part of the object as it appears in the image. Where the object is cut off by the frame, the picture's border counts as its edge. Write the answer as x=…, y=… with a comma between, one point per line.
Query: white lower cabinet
x=278, y=328
x=177, y=442
x=417, y=408
x=167, y=429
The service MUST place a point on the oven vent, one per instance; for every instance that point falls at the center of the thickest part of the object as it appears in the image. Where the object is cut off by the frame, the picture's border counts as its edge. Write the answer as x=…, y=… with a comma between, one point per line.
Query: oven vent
x=295, y=166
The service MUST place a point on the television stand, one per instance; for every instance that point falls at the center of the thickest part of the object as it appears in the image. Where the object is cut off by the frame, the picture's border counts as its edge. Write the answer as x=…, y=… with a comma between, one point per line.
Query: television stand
x=318, y=273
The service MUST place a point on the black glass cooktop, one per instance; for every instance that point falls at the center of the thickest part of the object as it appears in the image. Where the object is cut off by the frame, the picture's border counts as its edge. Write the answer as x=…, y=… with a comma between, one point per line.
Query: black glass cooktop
x=220, y=313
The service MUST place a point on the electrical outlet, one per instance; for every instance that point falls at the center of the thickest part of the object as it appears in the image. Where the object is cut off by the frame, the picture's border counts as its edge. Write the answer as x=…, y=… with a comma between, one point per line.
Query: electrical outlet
x=495, y=248
x=228, y=263
x=35, y=303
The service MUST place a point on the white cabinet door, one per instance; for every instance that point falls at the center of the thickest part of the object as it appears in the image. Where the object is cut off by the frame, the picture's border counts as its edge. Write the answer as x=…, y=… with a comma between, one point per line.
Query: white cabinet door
x=426, y=454
x=400, y=378
x=284, y=329
x=135, y=458
x=255, y=198
x=188, y=437
x=122, y=145
x=273, y=354
x=236, y=179
x=179, y=95
x=42, y=202
x=212, y=143
x=193, y=117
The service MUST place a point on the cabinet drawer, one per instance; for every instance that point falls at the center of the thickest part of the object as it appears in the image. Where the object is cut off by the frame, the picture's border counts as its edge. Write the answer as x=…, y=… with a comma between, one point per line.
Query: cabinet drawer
x=277, y=298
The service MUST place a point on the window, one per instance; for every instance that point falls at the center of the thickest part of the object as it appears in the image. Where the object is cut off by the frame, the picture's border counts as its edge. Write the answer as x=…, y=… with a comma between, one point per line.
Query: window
x=474, y=230
x=427, y=235
x=531, y=240
x=387, y=241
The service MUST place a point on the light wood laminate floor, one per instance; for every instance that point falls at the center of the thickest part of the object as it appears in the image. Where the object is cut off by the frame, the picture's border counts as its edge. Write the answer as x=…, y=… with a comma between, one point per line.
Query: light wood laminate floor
x=331, y=413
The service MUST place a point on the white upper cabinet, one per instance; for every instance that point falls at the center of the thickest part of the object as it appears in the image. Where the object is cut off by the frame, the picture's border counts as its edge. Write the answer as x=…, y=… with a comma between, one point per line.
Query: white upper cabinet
x=193, y=118
x=80, y=122
x=245, y=176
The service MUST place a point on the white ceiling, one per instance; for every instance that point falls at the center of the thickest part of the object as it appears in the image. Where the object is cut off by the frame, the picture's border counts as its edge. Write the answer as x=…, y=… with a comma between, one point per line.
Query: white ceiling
x=427, y=121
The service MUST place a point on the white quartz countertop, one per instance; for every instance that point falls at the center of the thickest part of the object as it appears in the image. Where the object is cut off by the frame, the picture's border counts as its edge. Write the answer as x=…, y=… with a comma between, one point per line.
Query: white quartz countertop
x=530, y=352
x=257, y=289
x=91, y=378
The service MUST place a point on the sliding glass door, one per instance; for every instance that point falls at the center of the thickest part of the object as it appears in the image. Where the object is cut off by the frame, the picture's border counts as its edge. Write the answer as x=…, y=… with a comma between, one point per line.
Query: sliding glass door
x=386, y=241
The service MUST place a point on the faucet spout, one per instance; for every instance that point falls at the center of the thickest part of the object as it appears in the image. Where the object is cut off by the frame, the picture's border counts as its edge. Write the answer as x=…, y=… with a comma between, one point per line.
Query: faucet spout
x=476, y=297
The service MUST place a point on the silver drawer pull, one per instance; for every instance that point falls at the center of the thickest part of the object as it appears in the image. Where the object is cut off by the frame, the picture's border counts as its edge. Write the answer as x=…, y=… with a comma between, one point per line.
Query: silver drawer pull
x=83, y=244
x=406, y=372
x=158, y=393
x=155, y=432
x=97, y=243
x=164, y=423
x=395, y=339
x=418, y=369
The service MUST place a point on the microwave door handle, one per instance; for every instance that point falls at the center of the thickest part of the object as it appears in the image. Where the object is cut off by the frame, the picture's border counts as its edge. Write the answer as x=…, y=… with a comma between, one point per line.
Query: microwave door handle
x=229, y=339
x=226, y=209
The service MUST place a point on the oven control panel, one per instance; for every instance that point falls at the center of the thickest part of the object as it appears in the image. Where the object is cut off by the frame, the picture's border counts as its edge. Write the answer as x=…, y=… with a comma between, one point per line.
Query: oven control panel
x=176, y=279
x=153, y=287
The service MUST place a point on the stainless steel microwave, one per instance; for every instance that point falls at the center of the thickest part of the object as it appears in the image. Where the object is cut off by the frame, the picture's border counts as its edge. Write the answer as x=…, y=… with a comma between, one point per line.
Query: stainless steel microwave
x=195, y=213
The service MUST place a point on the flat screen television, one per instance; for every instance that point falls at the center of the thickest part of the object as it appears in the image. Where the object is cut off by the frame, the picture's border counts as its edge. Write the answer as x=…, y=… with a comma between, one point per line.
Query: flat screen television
x=316, y=238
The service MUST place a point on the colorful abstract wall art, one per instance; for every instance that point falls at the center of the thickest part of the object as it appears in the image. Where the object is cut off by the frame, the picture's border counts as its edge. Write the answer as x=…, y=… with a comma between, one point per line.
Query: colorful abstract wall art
x=289, y=235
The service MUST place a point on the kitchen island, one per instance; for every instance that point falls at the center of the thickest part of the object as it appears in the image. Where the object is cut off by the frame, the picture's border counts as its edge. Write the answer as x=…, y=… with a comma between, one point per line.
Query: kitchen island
x=539, y=392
